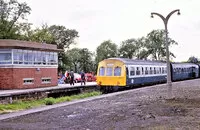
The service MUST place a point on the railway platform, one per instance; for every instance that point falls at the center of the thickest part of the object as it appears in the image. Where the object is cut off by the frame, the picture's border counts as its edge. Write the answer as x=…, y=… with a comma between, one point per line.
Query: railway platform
x=8, y=96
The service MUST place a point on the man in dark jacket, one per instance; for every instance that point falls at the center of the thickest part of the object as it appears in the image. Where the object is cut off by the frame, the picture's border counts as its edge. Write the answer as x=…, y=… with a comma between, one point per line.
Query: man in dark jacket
x=82, y=78
x=71, y=77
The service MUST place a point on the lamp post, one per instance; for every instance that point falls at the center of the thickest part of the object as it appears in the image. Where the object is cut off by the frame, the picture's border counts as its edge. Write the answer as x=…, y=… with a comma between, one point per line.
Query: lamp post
x=165, y=20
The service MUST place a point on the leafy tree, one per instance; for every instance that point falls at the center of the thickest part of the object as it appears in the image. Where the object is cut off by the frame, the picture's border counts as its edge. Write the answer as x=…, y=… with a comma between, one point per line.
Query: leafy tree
x=11, y=12
x=193, y=59
x=133, y=48
x=155, y=45
x=107, y=49
x=62, y=37
x=86, y=62
x=128, y=48
x=74, y=56
x=42, y=35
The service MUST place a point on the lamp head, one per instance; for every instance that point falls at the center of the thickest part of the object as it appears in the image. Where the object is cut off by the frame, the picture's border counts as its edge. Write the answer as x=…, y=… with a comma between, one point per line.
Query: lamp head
x=151, y=15
x=179, y=12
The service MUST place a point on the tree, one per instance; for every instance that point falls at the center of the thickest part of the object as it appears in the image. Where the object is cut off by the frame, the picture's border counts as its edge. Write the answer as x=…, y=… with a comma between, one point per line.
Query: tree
x=86, y=62
x=128, y=48
x=107, y=49
x=155, y=45
x=133, y=48
x=62, y=37
x=42, y=35
x=74, y=56
x=11, y=12
x=193, y=59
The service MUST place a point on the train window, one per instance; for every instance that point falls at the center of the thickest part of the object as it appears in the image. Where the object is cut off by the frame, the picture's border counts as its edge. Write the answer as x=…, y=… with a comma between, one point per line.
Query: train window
x=101, y=71
x=187, y=69
x=117, y=71
x=179, y=70
x=184, y=70
x=146, y=70
x=109, y=71
x=154, y=70
x=160, y=70
x=132, y=71
x=142, y=70
x=174, y=70
x=151, y=72
x=137, y=71
x=163, y=71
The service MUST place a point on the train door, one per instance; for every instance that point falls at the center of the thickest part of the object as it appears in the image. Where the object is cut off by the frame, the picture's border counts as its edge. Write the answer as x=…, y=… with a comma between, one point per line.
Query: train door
x=127, y=74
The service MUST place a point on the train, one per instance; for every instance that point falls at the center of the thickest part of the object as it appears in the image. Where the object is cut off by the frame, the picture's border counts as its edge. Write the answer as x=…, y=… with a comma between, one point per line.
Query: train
x=116, y=73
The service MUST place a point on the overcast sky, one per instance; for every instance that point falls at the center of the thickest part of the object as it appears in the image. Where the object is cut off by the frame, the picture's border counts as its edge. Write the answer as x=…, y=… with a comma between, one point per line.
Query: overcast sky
x=118, y=20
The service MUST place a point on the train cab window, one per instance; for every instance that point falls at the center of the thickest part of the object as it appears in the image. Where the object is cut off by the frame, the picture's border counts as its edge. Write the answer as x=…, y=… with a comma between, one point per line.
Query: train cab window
x=132, y=71
x=146, y=70
x=101, y=71
x=137, y=71
x=109, y=71
x=117, y=71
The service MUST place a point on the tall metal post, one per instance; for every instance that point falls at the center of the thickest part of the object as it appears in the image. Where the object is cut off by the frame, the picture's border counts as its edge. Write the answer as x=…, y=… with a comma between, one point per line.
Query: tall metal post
x=165, y=20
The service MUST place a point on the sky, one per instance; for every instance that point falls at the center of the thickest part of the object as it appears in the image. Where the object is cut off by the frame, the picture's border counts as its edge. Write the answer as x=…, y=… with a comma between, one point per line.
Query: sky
x=119, y=20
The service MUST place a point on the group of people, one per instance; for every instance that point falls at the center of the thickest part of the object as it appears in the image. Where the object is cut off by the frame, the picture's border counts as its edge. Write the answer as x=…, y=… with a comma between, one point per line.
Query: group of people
x=70, y=77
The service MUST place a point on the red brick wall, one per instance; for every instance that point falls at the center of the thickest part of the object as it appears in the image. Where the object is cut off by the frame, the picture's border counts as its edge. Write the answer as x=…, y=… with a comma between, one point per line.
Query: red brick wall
x=12, y=78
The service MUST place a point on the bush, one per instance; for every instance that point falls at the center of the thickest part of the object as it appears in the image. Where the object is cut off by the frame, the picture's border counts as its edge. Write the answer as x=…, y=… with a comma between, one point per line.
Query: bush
x=49, y=101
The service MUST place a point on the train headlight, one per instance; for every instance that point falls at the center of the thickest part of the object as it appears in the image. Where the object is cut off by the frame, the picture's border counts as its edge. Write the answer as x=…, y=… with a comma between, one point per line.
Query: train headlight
x=118, y=83
x=99, y=83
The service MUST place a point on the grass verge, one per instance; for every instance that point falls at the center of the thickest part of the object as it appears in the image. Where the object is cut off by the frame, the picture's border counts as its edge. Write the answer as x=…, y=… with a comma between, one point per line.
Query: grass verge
x=22, y=105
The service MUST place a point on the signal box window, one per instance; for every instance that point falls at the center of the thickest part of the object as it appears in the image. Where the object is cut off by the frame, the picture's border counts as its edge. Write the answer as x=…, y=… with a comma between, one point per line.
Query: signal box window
x=101, y=71
x=132, y=71
x=109, y=71
x=5, y=56
x=117, y=71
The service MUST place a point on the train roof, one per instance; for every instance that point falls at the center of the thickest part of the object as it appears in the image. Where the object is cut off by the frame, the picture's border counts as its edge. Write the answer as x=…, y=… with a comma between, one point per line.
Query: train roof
x=127, y=61
x=184, y=65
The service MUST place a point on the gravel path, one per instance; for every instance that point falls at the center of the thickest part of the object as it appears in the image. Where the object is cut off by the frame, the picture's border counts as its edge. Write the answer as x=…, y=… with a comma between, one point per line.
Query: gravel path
x=143, y=108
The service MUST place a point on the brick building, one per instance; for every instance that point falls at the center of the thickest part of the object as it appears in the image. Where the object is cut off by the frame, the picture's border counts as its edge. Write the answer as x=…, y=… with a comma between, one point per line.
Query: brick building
x=27, y=64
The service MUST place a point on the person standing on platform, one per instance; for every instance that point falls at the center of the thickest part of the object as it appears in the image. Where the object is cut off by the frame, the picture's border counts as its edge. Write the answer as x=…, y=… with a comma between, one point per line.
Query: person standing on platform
x=82, y=78
x=71, y=77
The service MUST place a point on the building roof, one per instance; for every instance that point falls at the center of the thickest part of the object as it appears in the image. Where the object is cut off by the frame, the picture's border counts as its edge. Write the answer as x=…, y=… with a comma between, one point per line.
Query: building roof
x=17, y=44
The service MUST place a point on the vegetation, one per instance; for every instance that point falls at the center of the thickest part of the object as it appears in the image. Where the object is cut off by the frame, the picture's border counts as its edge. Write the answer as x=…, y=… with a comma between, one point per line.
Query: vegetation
x=193, y=59
x=107, y=49
x=21, y=105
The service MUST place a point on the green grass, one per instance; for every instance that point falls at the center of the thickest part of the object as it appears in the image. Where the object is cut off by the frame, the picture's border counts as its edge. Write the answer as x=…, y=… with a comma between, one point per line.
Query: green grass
x=21, y=105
